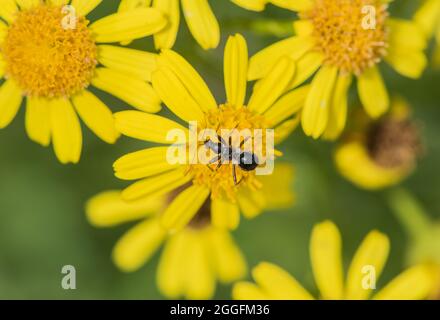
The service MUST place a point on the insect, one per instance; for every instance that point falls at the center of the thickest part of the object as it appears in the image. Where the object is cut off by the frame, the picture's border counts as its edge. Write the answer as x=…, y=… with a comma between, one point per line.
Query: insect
x=225, y=152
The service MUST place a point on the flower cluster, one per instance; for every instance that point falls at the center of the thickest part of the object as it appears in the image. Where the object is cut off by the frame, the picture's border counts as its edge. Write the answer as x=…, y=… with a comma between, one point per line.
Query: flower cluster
x=55, y=60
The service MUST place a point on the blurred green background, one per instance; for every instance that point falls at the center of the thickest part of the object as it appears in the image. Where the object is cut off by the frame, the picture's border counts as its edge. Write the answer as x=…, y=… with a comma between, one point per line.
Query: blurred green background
x=42, y=221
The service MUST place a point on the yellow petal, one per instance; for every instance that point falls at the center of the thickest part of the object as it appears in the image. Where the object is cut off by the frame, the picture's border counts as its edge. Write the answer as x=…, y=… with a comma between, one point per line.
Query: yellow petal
x=294, y=5
x=127, y=5
x=272, y=86
x=400, y=108
x=373, y=93
x=148, y=127
x=287, y=105
x=129, y=25
x=427, y=16
x=278, y=187
x=229, y=262
x=306, y=66
x=142, y=164
x=96, y=115
x=58, y=2
x=413, y=284
x=408, y=62
x=27, y=4
x=190, y=78
x=251, y=203
x=303, y=27
x=285, y=129
x=10, y=101
x=107, y=209
x=225, y=214
x=199, y=274
x=278, y=283
x=132, y=90
x=84, y=7
x=264, y=61
x=38, y=120
x=249, y=291
x=184, y=207
x=137, y=246
x=158, y=185
x=235, y=70
x=355, y=164
x=338, y=107
x=326, y=258
x=373, y=252
x=170, y=274
x=8, y=9
x=406, y=34
x=66, y=131
x=202, y=23
x=3, y=33
x=316, y=110
x=166, y=38
x=254, y=5
x=134, y=62
x=175, y=96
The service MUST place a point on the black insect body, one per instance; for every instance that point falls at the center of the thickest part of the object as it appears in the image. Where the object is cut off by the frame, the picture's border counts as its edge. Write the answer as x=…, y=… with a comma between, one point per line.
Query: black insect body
x=226, y=153
x=248, y=161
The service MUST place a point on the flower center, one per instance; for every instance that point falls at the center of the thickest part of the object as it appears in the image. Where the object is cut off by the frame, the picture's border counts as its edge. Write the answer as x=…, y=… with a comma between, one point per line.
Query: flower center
x=393, y=143
x=219, y=175
x=352, y=34
x=46, y=57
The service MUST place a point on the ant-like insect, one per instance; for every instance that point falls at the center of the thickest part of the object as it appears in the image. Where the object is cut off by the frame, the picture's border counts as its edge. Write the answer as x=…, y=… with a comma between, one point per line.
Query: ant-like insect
x=225, y=152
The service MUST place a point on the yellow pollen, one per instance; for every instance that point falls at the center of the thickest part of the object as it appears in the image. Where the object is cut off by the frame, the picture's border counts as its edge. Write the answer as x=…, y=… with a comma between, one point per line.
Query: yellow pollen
x=352, y=34
x=220, y=181
x=46, y=58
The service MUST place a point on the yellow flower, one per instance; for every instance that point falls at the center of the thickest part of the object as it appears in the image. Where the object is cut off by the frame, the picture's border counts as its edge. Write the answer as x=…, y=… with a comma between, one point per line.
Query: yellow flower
x=381, y=153
x=51, y=55
x=193, y=259
x=339, y=39
x=272, y=282
x=199, y=17
x=188, y=97
x=428, y=17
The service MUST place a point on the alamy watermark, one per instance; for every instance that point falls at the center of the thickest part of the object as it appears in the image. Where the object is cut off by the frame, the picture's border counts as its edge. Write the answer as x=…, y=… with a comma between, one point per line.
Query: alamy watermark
x=369, y=278
x=68, y=282
x=369, y=20
x=68, y=22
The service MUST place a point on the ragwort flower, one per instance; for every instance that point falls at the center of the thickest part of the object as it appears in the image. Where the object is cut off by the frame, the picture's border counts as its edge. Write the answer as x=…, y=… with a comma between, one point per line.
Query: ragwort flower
x=194, y=258
x=339, y=40
x=272, y=282
x=375, y=154
x=50, y=55
x=188, y=97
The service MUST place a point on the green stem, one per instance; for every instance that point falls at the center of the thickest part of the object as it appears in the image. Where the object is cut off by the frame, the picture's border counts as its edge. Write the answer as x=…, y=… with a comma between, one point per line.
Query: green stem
x=409, y=212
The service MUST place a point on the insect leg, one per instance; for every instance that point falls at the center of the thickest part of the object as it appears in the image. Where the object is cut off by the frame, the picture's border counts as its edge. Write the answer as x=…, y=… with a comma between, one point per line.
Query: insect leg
x=234, y=174
x=244, y=141
x=220, y=163
x=215, y=159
